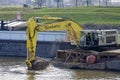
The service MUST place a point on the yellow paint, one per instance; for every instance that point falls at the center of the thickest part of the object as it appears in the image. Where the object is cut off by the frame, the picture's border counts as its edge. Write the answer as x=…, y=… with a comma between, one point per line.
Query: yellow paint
x=59, y=24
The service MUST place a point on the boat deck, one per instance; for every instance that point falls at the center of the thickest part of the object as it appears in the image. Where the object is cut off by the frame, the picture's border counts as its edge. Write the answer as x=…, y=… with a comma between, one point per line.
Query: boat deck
x=106, y=60
x=117, y=51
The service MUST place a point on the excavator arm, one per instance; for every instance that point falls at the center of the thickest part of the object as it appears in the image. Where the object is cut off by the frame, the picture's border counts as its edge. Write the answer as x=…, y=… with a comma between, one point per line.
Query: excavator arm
x=57, y=24
x=31, y=41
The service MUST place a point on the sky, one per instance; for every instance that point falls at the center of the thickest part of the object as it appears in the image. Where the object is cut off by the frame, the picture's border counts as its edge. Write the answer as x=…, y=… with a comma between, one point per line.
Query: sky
x=111, y=0
x=115, y=0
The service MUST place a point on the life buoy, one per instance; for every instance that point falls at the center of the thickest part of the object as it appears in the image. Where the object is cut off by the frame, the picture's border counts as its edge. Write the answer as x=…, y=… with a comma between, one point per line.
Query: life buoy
x=91, y=59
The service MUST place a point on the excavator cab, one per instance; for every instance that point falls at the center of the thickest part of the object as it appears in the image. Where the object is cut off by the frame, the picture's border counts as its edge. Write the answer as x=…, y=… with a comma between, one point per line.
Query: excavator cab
x=98, y=38
x=89, y=38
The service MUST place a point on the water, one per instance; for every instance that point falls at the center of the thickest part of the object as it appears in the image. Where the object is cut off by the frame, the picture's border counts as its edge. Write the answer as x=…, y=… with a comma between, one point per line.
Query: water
x=15, y=69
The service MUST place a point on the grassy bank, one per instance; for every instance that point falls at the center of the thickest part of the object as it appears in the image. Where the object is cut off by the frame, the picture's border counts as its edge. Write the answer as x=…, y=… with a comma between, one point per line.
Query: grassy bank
x=82, y=15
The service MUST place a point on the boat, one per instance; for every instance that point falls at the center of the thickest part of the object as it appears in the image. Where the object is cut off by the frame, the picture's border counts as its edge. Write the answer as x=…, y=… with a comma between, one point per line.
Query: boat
x=13, y=43
x=105, y=60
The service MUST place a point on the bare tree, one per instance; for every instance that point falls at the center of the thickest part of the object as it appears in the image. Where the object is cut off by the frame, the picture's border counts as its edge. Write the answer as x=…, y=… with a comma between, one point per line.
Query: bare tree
x=99, y=2
x=106, y=2
x=62, y=3
x=59, y=3
x=39, y=3
x=76, y=3
x=88, y=2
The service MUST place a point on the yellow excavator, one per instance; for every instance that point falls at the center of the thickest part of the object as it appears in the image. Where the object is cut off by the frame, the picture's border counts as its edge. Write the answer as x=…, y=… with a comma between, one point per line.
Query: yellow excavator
x=57, y=24
x=81, y=38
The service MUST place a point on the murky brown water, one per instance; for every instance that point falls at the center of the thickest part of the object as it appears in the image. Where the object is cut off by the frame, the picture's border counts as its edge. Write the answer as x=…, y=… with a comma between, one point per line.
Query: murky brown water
x=15, y=69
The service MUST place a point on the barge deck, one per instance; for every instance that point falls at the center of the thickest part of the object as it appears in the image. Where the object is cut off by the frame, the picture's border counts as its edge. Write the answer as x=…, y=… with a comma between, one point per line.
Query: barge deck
x=106, y=60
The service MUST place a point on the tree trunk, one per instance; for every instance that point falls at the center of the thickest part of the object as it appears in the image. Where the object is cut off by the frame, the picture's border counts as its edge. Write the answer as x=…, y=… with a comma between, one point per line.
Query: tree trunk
x=87, y=2
x=76, y=3
x=99, y=2
x=57, y=4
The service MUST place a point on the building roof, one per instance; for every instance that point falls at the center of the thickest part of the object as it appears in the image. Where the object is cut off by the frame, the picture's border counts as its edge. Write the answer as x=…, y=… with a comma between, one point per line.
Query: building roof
x=17, y=24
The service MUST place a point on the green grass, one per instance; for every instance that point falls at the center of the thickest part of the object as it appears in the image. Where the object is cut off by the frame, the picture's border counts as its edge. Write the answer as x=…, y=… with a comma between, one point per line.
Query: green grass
x=81, y=15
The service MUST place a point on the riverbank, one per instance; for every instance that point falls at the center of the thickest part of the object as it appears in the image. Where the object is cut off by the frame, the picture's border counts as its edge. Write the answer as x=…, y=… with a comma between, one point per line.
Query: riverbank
x=82, y=15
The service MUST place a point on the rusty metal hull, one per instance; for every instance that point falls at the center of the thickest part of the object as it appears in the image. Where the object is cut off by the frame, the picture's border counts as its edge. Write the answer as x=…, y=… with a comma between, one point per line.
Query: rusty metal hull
x=109, y=65
x=76, y=59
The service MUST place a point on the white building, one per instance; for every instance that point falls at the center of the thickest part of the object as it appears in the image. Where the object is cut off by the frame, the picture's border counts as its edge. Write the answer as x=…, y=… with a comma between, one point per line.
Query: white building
x=12, y=2
x=114, y=3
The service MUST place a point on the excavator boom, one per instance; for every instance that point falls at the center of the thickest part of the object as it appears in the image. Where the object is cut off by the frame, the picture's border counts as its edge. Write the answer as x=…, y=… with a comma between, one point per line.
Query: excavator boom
x=57, y=24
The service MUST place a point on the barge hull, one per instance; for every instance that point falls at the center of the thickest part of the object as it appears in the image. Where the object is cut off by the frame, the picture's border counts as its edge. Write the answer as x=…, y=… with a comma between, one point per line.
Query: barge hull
x=109, y=65
x=78, y=59
x=17, y=48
